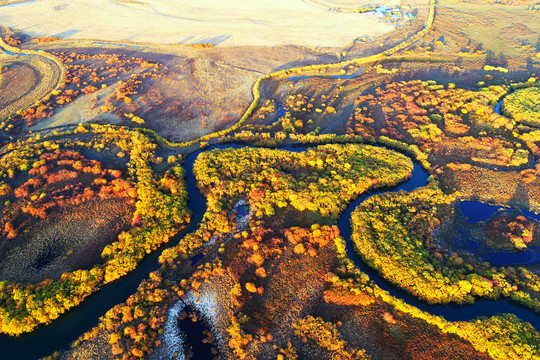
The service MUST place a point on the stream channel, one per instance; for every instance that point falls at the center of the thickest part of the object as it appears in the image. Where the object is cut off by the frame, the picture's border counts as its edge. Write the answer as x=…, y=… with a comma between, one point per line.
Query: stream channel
x=46, y=339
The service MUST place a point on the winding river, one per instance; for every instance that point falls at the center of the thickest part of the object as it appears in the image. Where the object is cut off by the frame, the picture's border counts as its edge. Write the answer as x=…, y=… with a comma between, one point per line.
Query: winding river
x=449, y=312
x=68, y=327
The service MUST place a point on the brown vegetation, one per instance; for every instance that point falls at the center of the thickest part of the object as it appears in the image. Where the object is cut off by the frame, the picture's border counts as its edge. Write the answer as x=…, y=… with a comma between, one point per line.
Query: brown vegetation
x=510, y=232
x=65, y=192
x=59, y=177
x=86, y=74
x=451, y=125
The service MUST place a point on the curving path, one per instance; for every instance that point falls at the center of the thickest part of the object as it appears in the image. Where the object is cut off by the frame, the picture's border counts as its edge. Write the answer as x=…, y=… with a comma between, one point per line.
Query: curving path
x=48, y=71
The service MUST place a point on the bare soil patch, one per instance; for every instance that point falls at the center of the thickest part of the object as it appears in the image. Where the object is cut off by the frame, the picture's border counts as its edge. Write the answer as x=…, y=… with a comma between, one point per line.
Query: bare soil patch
x=244, y=22
x=29, y=80
x=18, y=79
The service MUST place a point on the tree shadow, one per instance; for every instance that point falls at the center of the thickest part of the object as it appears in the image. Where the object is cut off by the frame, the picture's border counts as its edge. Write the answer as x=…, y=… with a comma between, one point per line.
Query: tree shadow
x=326, y=58
x=216, y=40
x=66, y=34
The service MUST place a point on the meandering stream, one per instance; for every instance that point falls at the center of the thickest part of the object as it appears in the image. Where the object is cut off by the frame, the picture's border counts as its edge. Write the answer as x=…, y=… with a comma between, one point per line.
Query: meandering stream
x=449, y=312
x=68, y=327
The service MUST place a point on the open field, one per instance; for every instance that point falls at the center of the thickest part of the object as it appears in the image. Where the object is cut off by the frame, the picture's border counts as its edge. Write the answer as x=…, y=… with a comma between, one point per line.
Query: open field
x=497, y=31
x=21, y=78
x=240, y=23
x=187, y=98
x=500, y=29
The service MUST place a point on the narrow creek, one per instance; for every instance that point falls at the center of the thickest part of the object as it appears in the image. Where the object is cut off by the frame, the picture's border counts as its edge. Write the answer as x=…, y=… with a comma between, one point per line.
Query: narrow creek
x=339, y=77
x=47, y=339
x=20, y=3
x=64, y=330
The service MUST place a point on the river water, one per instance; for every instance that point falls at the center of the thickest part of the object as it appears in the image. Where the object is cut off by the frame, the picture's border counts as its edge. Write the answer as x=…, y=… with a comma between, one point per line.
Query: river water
x=20, y=3
x=449, y=312
x=68, y=327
